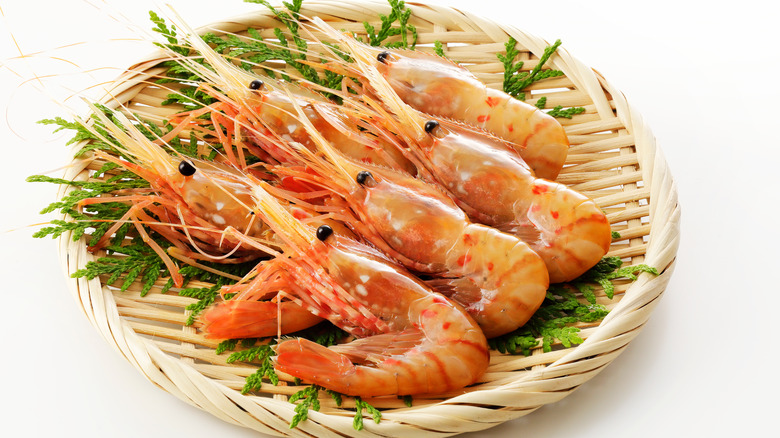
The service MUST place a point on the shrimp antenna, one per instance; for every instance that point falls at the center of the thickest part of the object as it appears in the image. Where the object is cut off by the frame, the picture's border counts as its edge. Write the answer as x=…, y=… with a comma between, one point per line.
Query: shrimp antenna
x=296, y=234
x=344, y=166
x=365, y=57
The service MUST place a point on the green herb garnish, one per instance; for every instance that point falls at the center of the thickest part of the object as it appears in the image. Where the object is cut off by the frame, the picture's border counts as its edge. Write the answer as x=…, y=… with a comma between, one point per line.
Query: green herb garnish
x=262, y=354
x=562, y=308
x=399, y=13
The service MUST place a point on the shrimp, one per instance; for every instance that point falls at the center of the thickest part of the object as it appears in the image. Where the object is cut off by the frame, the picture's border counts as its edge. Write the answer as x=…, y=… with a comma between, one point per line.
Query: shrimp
x=204, y=197
x=496, y=187
x=416, y=341
x=258, y=101
x=496, y=276
x=439, y=87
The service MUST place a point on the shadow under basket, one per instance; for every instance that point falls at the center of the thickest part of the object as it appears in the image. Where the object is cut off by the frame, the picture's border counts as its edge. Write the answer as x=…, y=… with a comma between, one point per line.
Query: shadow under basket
x=613, y=159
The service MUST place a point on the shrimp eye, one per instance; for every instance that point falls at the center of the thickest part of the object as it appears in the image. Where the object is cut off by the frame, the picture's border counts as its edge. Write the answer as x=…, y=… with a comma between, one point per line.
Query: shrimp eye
x=323, y=232
x=430, y=125
x=186, y=168
x=363, y=176
x=382, y=57
x=256, y=84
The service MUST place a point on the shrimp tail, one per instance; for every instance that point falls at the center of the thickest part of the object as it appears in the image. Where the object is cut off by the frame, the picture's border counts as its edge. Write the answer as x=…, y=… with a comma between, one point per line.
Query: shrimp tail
x=442, y=352
x=334, y=369
x=238, y=319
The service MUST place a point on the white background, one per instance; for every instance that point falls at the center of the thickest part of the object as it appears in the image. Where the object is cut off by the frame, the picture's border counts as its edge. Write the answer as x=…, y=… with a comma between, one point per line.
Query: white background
x=703, y=76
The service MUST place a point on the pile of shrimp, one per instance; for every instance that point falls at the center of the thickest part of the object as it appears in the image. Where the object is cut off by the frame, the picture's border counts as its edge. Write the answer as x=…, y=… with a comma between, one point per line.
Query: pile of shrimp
x=419, y=215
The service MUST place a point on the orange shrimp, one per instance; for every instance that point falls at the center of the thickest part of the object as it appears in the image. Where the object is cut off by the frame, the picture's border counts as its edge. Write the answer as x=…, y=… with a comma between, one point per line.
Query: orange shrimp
x=496, y=187
x=438, y=86
x=198, y=199
x=209, y=199
x=253, y=100
x=496, y=276
x=417, y=341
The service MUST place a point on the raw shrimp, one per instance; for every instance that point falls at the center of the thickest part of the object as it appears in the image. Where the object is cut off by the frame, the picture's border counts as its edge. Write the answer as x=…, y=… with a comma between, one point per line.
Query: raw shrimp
x=253, y=100
x=195, y=200
x=496, y=276
x=496, y=187
x=418, y=341
x=208, y=198
x=438, y=86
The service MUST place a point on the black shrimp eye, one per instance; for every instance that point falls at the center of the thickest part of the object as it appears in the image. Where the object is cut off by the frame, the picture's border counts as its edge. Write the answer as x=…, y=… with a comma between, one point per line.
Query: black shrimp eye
x=430, y=125
x=323, y=232
x=256, y=84
x=186, y=168
x=363, y=176
x=382, y=57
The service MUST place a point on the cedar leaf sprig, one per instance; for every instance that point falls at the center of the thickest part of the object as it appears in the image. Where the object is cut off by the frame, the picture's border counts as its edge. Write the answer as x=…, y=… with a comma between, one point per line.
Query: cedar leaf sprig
x=515, y=80
x=284, y=53
x=400, y=13
x=562, y=308
x=360, y=406
x=262, y=354
x=139, y=261
x=308, y=398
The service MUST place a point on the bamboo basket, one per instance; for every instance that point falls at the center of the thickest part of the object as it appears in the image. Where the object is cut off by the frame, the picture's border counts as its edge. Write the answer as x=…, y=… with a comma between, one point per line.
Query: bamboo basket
x=613, y=159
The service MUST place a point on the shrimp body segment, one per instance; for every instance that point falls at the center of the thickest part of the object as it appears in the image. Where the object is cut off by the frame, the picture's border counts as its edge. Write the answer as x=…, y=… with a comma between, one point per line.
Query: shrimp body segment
x=439, y=87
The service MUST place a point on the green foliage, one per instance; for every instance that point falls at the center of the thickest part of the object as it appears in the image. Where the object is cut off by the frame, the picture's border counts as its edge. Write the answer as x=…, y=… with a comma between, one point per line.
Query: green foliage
x=308, y=398
x=567, y=113
x=438, y=48
x=562, y=308
x=228, y=344
x=261, y=354
x=96, y=217
x=360, y=406
x=207, y=295
x=325, y=334
x=615, y=235
x=516, y=80
x=399, y=13
x=256, y=51
x=169, y=33
x=93, y=142
x=139, y=262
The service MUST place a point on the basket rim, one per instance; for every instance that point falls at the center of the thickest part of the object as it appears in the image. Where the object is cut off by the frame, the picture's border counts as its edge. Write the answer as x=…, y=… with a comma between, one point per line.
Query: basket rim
x=607, y=341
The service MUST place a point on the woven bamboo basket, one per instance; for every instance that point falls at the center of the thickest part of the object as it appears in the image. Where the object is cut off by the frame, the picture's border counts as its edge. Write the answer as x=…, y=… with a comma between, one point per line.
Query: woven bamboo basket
x=613, y=159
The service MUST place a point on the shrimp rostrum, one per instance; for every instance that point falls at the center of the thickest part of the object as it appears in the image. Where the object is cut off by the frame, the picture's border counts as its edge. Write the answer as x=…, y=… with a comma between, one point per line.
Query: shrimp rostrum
x=412, y=340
